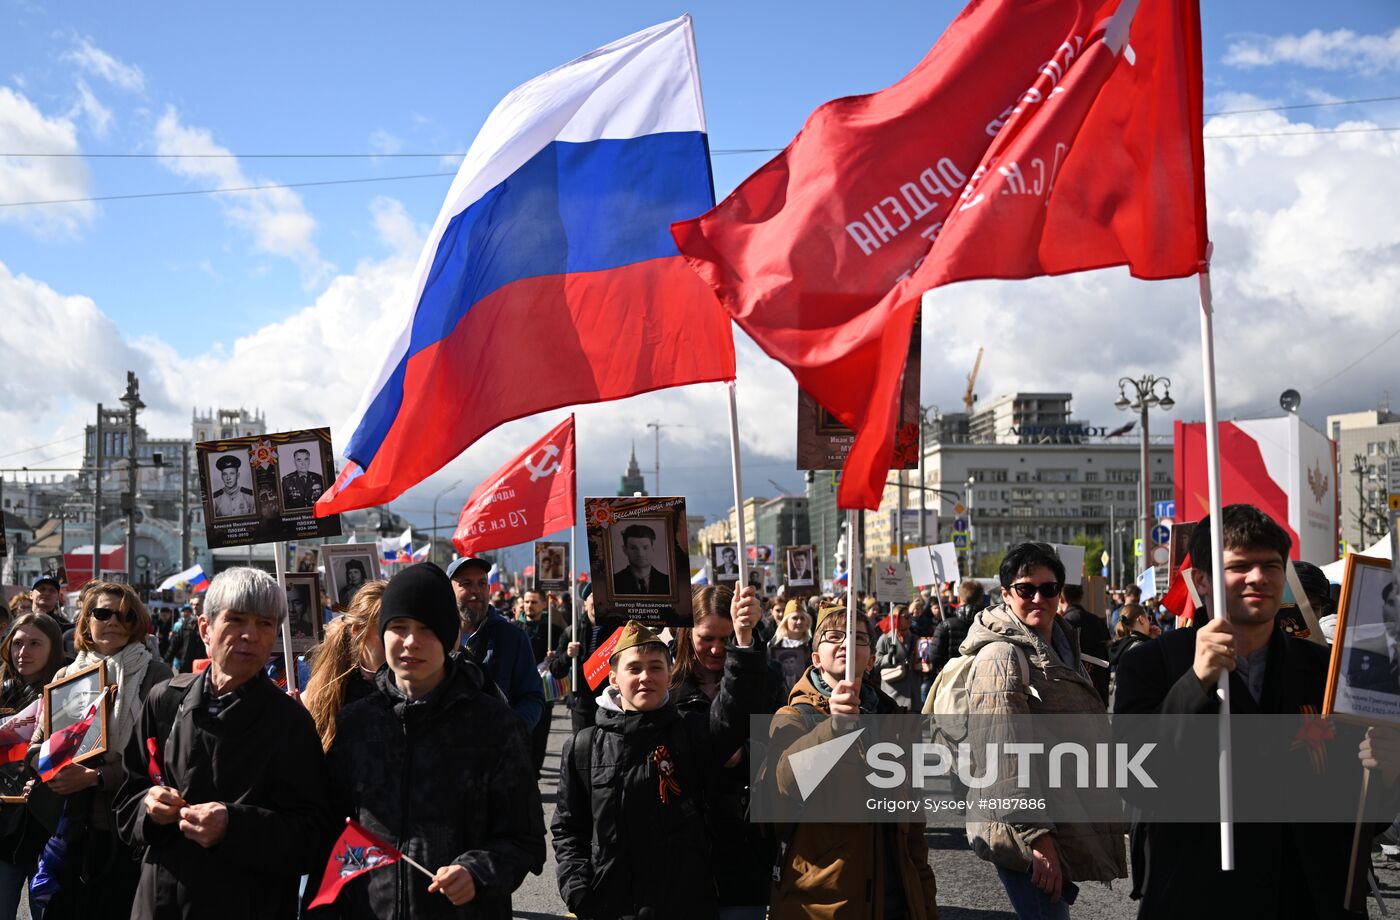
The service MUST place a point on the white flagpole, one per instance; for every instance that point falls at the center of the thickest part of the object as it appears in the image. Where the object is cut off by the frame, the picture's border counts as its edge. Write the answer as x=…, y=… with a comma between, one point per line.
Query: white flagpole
x=279, y=562
x=1217, y=555
x=575, y=604
x=852, y=574
x=738, y=487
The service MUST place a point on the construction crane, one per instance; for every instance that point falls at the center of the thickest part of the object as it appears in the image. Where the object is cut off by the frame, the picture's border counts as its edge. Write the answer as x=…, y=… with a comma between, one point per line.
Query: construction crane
x=658, y=425
x=970, y=397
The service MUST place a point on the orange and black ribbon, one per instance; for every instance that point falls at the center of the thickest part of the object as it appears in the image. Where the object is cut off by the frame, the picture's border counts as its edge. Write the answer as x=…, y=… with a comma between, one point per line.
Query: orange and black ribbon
x=666, y=774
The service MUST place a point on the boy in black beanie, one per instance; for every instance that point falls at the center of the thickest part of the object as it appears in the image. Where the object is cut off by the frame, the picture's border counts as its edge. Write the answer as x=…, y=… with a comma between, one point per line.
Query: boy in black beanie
x=436, y=766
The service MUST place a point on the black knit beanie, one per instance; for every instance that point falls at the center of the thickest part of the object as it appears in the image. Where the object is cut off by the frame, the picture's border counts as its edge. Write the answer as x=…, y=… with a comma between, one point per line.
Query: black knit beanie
x=422, y=592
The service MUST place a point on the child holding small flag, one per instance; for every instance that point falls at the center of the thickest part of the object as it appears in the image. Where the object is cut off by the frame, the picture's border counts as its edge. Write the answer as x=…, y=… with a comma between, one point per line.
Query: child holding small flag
x=629, y=829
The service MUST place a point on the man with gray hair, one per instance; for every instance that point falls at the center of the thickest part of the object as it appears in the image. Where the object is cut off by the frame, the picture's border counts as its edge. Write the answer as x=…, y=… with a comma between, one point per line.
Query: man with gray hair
x=226, y=785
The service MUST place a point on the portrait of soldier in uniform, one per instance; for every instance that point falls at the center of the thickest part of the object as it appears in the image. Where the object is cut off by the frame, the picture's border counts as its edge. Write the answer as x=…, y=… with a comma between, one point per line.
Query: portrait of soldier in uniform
x=302, y=486
x=232, y=498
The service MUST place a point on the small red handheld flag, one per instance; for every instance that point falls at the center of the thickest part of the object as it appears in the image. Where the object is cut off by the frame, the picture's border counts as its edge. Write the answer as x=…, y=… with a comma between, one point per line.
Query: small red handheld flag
x=356, y=852
x=16, y=731
x=595, y=669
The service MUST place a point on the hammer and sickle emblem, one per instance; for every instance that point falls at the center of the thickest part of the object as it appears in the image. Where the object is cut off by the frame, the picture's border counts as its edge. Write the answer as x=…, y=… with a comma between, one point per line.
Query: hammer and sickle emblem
x=549, y=467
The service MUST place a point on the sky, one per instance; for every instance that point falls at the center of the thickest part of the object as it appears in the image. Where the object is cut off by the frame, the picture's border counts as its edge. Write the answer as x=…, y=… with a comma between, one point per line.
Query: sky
x=282, y=299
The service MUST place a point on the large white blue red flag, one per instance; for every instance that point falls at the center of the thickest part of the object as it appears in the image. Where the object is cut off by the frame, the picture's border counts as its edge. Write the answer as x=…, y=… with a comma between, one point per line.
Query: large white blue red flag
x=551, y=277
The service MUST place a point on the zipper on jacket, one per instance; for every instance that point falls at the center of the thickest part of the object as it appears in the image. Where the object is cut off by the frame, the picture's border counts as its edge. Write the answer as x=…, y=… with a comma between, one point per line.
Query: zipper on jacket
x=400, y=843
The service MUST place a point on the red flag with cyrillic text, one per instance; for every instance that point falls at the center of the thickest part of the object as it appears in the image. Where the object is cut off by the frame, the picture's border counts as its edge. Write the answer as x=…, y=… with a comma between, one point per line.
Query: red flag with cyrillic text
x=529, y=497
x=1036, y=138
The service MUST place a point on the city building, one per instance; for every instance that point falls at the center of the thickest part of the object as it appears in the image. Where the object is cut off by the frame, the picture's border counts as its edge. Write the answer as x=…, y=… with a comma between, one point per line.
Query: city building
x=1366, y=443
x=632, y=482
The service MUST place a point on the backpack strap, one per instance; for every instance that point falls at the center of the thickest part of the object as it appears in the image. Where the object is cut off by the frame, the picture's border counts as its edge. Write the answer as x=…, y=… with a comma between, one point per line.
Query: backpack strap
x=169, y=707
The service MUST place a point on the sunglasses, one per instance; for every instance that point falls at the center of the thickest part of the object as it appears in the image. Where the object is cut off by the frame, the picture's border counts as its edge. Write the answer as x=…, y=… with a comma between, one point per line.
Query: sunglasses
x=1025, y=590
x=106, y=613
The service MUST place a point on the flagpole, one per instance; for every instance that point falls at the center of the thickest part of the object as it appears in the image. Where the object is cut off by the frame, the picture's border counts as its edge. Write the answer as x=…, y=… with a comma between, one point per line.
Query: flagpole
x=853, y=555
x=279, y=562
x=1217, y=557
x=574, y=603
x=738, y=488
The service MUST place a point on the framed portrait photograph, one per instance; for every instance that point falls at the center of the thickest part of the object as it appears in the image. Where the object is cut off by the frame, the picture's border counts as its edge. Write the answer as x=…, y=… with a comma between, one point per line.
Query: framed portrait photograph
x=299, y=467
x=231, y=479
x=639, y=560
x=263, y=488
x=1363, y=681
x=800, y=570
x=14, y=776
x=551, y=566
x=68, y=700
x=348, y=567
x=724, y=562
x=303, y=610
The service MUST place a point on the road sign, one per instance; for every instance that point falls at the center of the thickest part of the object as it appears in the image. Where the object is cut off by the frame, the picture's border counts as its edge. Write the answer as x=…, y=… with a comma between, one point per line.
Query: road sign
x=1160, y=554
x=1161, y=534
x=1164, y=509
x=959, y=510
x=960, y=523
x=960, y=540
x=1137, y=547
x=1104, y=558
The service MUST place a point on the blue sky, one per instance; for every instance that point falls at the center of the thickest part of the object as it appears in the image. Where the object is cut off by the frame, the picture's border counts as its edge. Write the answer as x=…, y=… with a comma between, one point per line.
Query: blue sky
x=181, y=280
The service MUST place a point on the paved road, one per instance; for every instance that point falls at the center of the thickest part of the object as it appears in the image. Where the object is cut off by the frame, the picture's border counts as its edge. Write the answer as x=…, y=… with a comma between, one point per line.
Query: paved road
x=968, y=888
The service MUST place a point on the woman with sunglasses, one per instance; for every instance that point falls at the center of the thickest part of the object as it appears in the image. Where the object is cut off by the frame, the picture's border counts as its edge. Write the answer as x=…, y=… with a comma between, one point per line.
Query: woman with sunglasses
x=30, y=654
x=100, y=873
x=1027, y=662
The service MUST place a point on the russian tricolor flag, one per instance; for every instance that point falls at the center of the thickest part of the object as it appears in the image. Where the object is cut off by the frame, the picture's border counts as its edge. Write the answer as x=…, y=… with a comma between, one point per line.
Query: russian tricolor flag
x=551, y=277
x=192, y=580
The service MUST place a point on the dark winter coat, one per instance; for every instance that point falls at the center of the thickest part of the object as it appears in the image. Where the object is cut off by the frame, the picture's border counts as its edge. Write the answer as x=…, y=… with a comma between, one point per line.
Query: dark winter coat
x=1281, y=870
x=1093, y=640
x=447, y=780
x=581, y=698
x=1124, y=645
x=261, y=757
x=948, y=636
x=24, y=827
x=503, y=651
x=619, y=845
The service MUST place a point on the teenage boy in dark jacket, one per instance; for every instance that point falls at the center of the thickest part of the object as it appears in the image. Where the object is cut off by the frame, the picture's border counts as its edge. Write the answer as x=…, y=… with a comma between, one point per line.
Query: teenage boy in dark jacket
x=436, y=767
x=629, y=829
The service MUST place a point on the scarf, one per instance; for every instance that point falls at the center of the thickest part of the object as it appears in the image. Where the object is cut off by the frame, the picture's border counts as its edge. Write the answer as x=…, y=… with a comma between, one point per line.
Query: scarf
x=126, y=670
x=869, y=699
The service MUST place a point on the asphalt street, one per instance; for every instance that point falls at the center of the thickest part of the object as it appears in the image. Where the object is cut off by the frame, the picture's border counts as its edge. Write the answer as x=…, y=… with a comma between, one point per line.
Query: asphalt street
x=968, y=888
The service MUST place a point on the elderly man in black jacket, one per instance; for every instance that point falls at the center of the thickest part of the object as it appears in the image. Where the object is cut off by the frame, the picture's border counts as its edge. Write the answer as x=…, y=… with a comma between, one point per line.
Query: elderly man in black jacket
x=225, y=785
x=437, y=767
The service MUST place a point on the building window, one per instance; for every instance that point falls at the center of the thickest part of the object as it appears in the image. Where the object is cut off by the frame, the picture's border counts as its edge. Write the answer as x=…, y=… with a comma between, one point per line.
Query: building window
x=1091, y=477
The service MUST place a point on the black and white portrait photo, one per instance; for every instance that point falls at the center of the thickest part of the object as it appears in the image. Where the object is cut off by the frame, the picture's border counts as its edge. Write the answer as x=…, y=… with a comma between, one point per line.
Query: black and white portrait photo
x=303, y=610
x=552, y=566
x=299, y=465
x=348, y=567
x=724, y=560
x=1366, y=665
x=231, y=482
x=641, y=558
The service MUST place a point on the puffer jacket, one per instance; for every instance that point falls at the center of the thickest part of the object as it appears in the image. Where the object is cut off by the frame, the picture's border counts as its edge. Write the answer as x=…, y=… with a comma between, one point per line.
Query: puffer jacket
x=1088, y=852
x=838, y=871
x=630, y=824
x=446, y=779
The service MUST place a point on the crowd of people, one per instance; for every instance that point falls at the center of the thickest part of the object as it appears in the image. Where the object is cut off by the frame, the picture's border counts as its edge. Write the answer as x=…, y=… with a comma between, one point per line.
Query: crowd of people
x=428, y=710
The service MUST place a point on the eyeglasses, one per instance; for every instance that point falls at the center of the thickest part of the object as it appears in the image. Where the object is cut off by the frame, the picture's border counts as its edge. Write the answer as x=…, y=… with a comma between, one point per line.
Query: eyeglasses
x=106, y=613
x=1025, y=590
x=835, y=637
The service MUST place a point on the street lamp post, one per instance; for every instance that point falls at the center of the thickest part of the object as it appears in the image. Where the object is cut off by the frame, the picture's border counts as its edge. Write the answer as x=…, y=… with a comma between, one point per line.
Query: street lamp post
x=436, y=498
x=971, y=540
x=132, y=400
x=1144, y=396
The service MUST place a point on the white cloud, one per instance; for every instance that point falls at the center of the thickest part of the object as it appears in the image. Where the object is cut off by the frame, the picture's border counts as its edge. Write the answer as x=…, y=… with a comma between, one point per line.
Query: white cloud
x=1340, y=50
x=383, y=142
x=29, y=130
x=276, y=217
x=99, y=117
x=1306, y=277
x=99, y=63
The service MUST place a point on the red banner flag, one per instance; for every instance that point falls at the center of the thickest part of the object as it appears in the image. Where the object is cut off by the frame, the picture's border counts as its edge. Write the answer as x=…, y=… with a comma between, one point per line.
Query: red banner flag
x=595, y=669
x=356, y=852
x=1036, y=138
x=529, y=497
x=16, y=732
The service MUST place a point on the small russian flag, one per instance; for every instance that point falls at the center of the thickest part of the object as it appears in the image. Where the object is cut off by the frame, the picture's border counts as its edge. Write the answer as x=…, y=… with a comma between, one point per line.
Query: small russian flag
x=58, y=749
x=192, y=580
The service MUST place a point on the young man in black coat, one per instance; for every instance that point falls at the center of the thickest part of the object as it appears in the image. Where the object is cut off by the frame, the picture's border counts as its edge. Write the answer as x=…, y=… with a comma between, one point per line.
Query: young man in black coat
x=1093, y=635
x=436, y=767
x=225, y=786
x=1282, y=870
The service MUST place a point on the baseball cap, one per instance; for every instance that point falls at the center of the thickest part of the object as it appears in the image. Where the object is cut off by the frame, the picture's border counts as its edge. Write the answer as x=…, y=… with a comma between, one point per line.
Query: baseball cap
x=466, y=561
x=46, y=580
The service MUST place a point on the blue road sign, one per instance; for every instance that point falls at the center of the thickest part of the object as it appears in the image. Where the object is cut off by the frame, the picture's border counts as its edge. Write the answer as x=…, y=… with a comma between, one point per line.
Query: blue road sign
x=1164, y=510
x=960, y=523
x=959, y=541
x=1161, y=534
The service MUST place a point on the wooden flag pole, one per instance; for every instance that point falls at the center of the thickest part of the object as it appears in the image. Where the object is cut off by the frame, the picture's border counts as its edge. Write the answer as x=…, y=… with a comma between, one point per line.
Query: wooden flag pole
x=1217, y=555
x=1355, y=897
x=279, y=564
x=738, y=488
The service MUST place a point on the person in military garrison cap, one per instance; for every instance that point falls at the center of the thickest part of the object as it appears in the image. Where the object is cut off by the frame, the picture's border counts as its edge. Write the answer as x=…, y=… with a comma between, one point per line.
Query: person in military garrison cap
x=629, y=786
x=232, y=500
